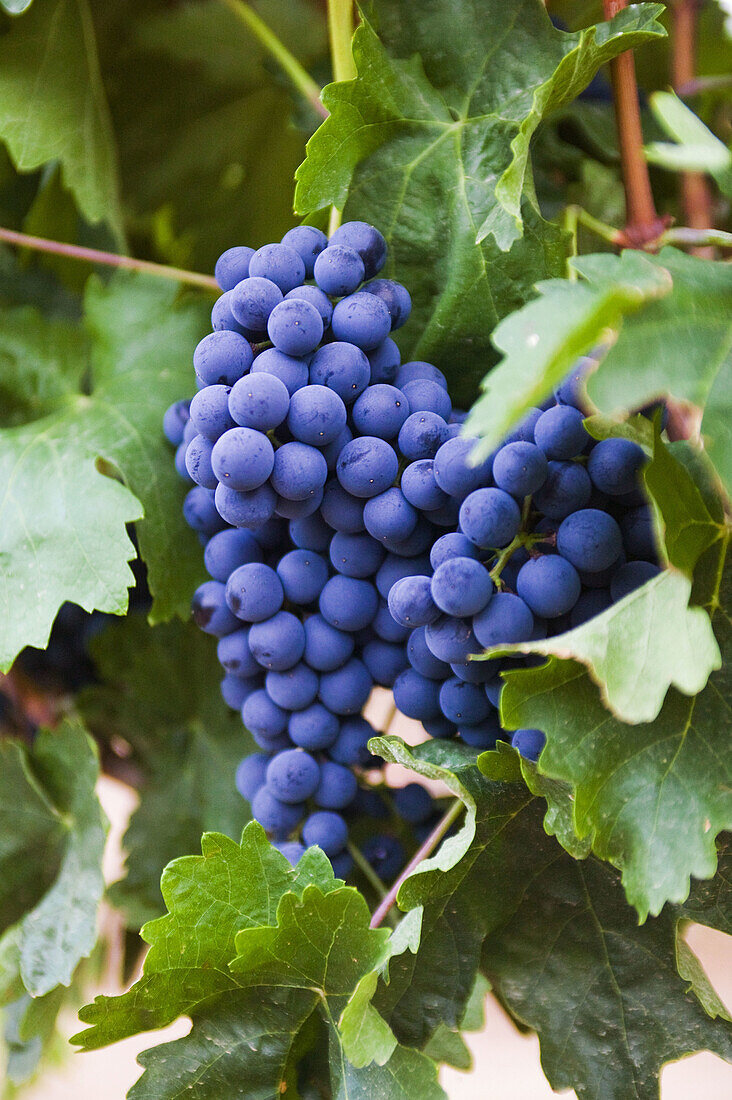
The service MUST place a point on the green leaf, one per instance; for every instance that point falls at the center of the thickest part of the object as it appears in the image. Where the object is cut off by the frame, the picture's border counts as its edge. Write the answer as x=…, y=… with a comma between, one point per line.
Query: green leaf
x=431, y=142
x=541, y=342
x=448, y=1046
x=53, y=106
x=710, y=900
x=602, y=993
x=249, y=949
x=652, y=797
x=62, y=521
x=60, y=929
x=185, y=740
x=698, y=148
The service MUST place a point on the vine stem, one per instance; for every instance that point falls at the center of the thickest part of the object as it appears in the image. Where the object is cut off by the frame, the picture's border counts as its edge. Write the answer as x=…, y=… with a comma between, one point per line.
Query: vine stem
x=642, y=222
x=696, y=195
x=111, y=259
x=308, y=88
x=425, y=849
x=340, y=33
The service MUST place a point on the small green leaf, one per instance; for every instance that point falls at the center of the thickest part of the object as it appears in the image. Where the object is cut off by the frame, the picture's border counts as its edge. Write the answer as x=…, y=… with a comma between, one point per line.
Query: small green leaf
x=698, y=149
x=431, y=143
x=53, y=106
x=60, y=928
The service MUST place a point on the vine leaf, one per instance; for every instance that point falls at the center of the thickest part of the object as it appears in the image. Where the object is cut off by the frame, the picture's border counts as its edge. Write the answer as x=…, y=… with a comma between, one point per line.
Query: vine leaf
x=185, y=740
x=53, y=105
x=643, y=303
x=569, y=964
x=248, y=949
x=55, y=784
x=62, y=521
x=560, y=946
x=431, y=143
x=653, y=796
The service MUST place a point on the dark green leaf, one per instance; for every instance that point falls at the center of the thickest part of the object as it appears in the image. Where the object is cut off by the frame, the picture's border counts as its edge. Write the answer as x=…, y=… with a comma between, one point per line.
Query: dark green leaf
x=186, y=740
x=431, y=143
x=53, y=106
x=50, y=938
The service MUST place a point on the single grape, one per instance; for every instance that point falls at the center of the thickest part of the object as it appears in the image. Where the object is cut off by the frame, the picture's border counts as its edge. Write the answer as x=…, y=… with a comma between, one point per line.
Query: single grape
x=490, y=518
x=418, y=369
x=384, y=361
x=337, y=787
x=424, y=395
x=593, y=601
x=278, y=263
x=199, y=512
x=341, y=510
x=614, y=465
x=389, y=516
x=291, y=850
x=198, y=462
x=326, y=647
x=422, y=659
x=528, y=742
x=295, y=326
x=421, y=435
x=342, y=865
x=420, y=487
x=293, y=689
x=367, y=466
x=560, y=432
x=361, y=319
x=235, y=656
x=251, y=774
x=175, y=419
x=351, y=745
x=384, y=661
x=242, y=459
x=549, y=585
x=453, y=470
x=506, y=619
x=452, y=640
x=232, y=266
x=386, y=628
x=364, y=239
x=637, y=531
x=342, y=367
x=209, y=411
x=380, y=411
x=346, y=689
x=631, y=576
x=317, y=415
x=303, y=574
x=315, y=296
x=483, y=735
x=463, y=703
x=394, y=568
x=234, y=690
x=461, y=587
x=211, y=612
x=250, y=510
x=475, y=672
x=327, y=830
x=355, y=555
x=299, y=471
x=395, y=296
x=310, y=533
x=413, y=803
x=567, y=489
x=416, y=543
x=520, y=468
x=524, y=432
x=262, y=717
x=259, y=401
x=416, y=696
x=299, y=509
x=314, y=728
x=252, y=300
x=411, y=603
x=308, y=242
x=180, y=462
x=275, y=816
x=293, y=776
x=223, y=319
x=348, y=603
x=278, y=642
x=293, y=372
x=338, y=270
x=439, y=728
x=254, y=592
x=452, y=545
x=590, y=540
x=386, y=855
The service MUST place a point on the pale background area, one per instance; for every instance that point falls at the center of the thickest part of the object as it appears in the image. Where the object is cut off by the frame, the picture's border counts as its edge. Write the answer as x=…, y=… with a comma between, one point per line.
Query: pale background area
x=506, y=1063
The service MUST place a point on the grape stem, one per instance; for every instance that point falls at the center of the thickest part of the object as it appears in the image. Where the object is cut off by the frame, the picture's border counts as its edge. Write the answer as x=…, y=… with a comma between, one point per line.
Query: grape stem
x=425, y=849
x=367, y=870
x=308, y=88
x=110, y=259
x=340, y=33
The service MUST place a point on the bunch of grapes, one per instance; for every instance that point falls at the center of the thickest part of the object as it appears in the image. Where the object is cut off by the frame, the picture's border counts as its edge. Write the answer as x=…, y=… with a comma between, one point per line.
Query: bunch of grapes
x=351, y=540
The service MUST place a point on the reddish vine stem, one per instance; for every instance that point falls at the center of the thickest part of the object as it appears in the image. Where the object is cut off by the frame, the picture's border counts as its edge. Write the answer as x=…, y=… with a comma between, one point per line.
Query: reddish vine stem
x=111, y=259
x=643, y=225
x=696, y=195
x=425, y=849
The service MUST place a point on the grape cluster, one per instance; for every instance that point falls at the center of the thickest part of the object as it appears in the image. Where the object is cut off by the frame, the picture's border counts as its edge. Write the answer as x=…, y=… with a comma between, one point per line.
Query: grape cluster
x=351, y=541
